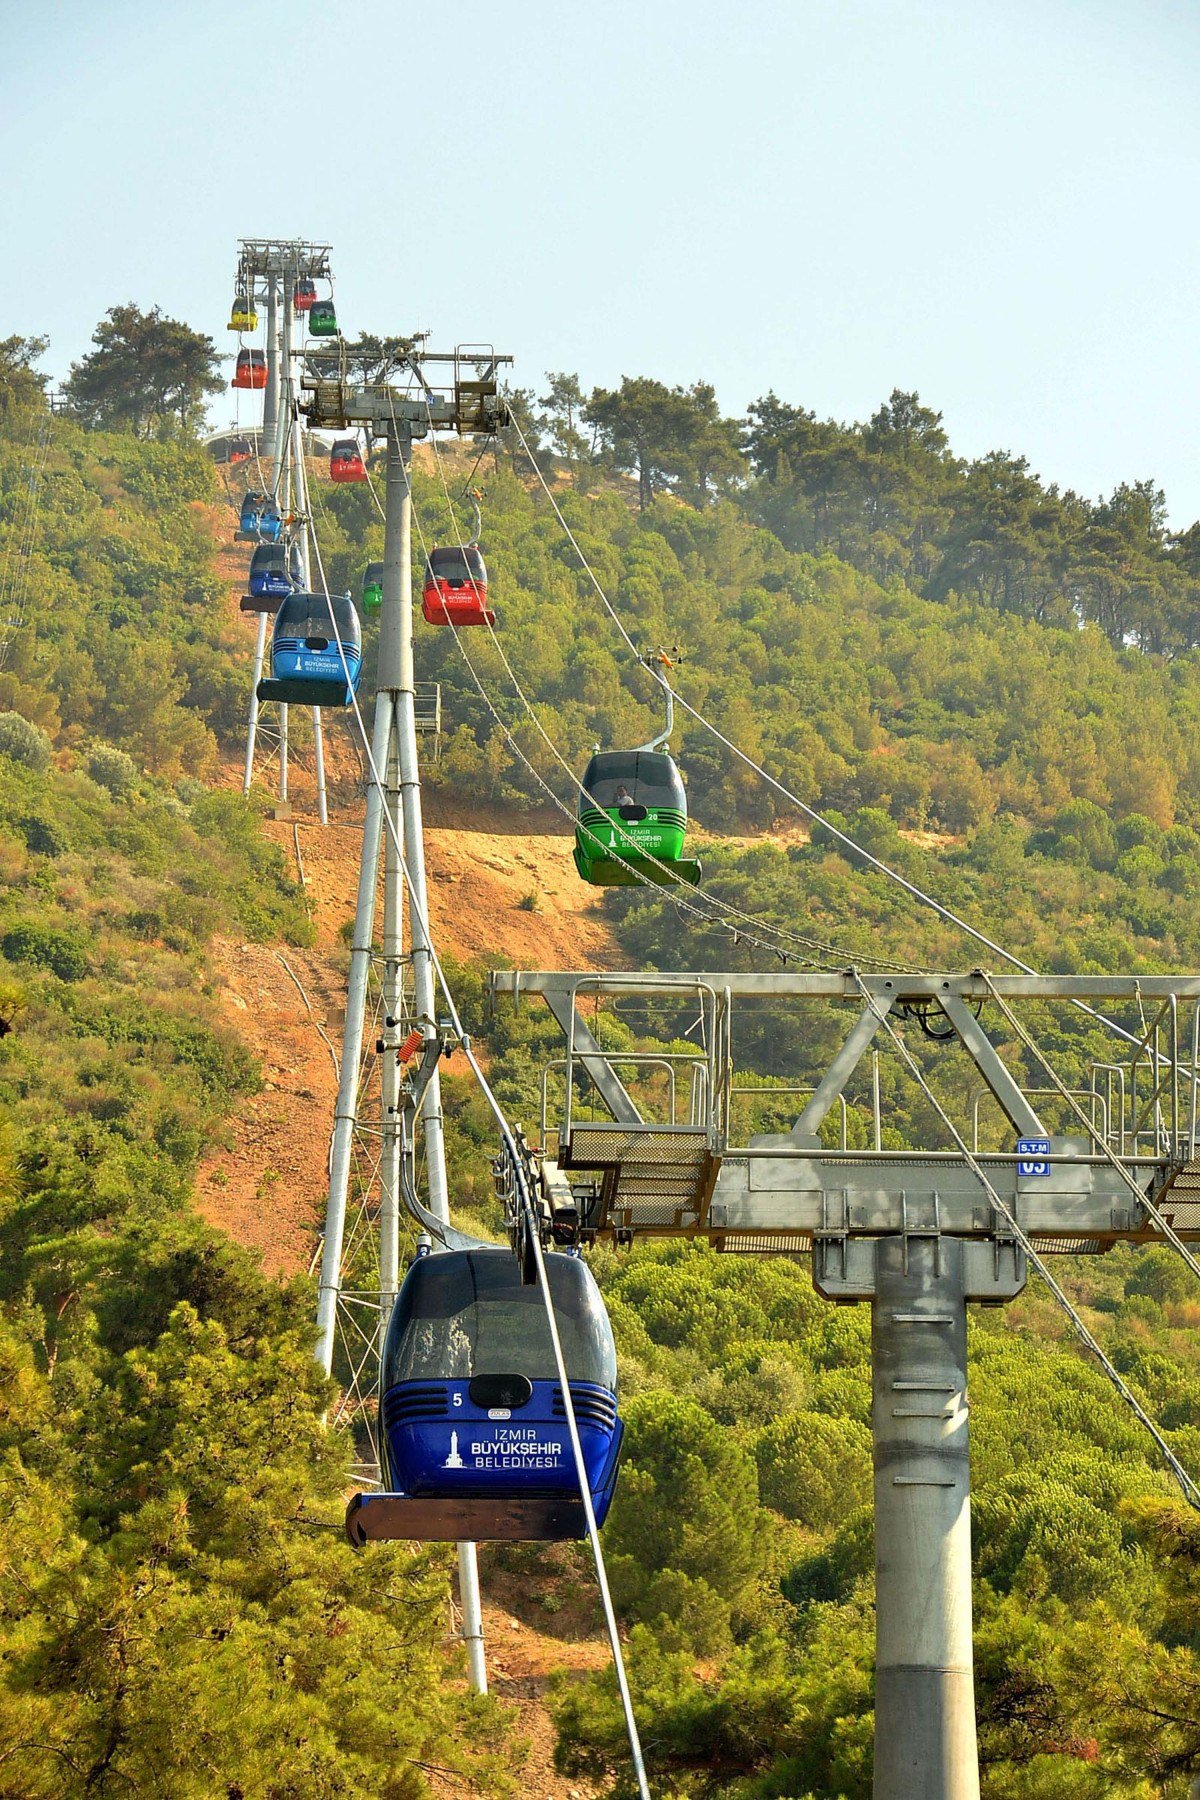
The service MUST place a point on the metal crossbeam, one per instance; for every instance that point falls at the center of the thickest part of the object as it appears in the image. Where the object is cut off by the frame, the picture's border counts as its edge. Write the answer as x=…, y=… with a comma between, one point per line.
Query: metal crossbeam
x=259, y=258
x=819, y=985
x=832, y=1083
x=1004, y=1087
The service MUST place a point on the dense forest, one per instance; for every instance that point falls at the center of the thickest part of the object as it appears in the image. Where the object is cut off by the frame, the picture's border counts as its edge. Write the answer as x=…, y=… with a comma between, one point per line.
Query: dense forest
x=918, y=647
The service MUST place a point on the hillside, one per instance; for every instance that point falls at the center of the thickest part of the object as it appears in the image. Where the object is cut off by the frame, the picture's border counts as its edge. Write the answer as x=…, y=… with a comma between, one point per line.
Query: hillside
x=267, y=1185
x=177, y=1608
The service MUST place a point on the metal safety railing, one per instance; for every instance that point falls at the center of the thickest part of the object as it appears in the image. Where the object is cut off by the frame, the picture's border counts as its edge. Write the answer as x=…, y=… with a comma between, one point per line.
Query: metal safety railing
x=668, y=1062
x=709, y=1068
x=1145, y=1106
x=798, y=1091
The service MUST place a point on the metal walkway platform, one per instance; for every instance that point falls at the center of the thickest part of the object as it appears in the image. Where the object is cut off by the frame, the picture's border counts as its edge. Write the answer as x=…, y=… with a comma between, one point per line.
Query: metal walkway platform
x=653, y=1176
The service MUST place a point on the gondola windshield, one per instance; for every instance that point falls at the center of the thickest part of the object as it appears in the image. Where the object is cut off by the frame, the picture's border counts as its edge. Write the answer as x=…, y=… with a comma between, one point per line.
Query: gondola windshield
x=632, y=781
x=456, y=564
x=317, y=622
x=465, y=1315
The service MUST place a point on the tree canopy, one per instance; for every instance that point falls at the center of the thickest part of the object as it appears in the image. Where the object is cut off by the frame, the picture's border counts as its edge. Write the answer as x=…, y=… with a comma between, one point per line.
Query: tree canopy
x=21, y=385
x=148, y=373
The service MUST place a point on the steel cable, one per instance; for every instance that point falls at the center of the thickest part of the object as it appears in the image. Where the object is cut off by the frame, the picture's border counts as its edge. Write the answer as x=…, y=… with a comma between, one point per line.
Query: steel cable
x=749, y=924
x=509, y=1140
x=810, y=812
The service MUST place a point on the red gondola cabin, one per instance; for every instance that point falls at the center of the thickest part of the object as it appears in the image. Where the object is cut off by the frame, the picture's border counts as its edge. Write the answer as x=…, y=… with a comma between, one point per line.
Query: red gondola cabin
x=240, y=450
x=455, y=590
x=345, y=461
x=251, y=370
x=304, y=294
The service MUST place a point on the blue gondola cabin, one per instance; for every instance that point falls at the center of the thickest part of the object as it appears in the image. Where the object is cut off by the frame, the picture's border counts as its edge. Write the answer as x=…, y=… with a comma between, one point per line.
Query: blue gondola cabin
x=259, y=518
x=271, y=572
x=316, y=645
x=472, y=1421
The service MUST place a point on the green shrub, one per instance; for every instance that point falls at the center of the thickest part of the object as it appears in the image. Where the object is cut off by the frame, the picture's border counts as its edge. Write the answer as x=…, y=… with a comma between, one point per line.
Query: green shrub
x=829, y=1575
x=1160, y=1274
x=24, y=742
x=55, y=947
x=112, y=769
x=42, y=836
x=815, y=1468
x=687, y=1500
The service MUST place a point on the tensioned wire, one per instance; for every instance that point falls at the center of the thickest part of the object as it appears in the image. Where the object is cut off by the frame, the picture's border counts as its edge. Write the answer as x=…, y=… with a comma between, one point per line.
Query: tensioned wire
x=687, y=901
x=810, y=812
x=721, y=919
x=1191, y=1492
x=24, y=533
x=685, y=906
x=639, y=878
x=525, y=1199
x=1143, y=1199
x=1188, y=1487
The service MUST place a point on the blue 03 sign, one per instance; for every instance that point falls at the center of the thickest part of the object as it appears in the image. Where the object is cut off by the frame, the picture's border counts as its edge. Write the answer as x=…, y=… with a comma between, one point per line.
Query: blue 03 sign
x=1033, y=1156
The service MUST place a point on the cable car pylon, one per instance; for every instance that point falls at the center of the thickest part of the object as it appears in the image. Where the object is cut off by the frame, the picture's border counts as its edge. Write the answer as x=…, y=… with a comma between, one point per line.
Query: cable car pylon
x=276, y=269
x=390, y=993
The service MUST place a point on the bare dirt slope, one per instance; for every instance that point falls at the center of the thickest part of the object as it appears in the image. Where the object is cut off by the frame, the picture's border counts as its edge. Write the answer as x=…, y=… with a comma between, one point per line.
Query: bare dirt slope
x=501, y=888
x=522, y=1661
x=266, y=1186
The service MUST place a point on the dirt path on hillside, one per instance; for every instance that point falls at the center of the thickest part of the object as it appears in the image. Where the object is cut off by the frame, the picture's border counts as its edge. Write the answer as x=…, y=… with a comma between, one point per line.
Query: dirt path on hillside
x=266, y=1186
x=522, y=1662
x=501, y=889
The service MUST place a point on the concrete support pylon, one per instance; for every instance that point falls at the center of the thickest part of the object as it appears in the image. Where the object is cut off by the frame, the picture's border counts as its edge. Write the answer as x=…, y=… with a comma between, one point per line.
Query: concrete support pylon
x=925, y=1743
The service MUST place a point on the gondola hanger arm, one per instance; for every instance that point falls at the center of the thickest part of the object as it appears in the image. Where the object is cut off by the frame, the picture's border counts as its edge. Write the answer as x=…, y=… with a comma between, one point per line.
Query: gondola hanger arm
x=656, y=661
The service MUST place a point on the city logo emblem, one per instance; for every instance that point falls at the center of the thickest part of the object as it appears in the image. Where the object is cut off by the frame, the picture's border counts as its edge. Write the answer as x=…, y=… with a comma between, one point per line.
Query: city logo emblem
x=454, y=1460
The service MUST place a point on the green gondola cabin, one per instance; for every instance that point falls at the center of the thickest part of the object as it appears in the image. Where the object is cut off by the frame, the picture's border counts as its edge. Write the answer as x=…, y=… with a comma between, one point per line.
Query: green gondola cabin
x=632, y=821
x=322, y=319
x=372, y=587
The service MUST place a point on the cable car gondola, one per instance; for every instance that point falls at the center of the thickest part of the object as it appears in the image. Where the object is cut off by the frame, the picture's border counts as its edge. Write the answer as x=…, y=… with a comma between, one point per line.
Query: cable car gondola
x=634, y=808
x=242, y=315
x=632, y=817
x=455, y=591
x=306, y=663
x=303, y=294
x=271, y=571
x=240, y=450
x=322, y=319
x=260, y=518
x=372, y=587
x=345, y=461
x=251, y=369
x=473, y=1427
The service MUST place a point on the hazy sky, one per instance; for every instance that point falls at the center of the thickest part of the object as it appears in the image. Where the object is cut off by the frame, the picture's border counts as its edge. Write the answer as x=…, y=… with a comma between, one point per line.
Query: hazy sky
x=992, y=201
